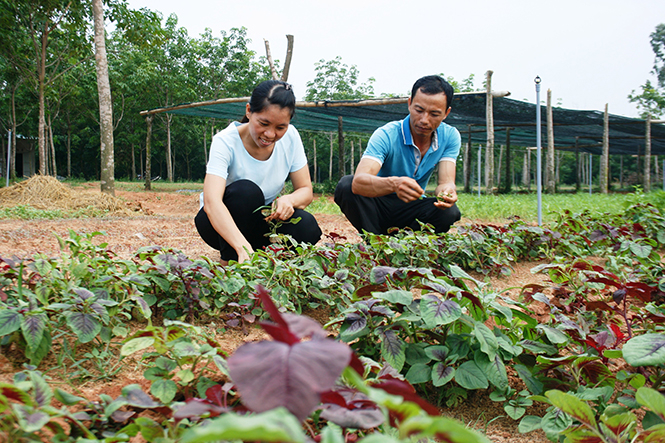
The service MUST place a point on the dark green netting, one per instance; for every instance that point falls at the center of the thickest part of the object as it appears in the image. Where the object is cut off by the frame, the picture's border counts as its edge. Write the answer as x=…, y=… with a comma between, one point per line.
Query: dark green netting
x=571, y=127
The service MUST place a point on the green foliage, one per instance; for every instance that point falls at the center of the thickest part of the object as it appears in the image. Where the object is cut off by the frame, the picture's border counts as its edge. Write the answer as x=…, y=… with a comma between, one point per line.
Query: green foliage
x=651, y=99
x=335, y=80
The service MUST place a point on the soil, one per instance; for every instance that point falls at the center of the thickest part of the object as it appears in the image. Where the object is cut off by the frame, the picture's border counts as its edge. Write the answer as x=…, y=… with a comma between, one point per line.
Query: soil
x=169, y=223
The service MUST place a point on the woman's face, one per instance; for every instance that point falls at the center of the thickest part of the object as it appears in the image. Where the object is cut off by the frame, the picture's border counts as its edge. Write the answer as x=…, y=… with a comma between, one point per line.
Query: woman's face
x=268, y=125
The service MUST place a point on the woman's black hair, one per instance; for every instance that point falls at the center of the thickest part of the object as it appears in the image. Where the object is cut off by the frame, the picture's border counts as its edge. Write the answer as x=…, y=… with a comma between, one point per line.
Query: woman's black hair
x=272, y=92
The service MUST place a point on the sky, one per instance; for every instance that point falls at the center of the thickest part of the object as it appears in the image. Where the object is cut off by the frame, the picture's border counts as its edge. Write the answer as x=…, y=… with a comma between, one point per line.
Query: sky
x=587, y=52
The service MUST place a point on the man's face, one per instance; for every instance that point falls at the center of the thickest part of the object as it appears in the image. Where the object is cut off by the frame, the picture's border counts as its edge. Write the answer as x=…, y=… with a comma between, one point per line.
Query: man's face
x=427, y=112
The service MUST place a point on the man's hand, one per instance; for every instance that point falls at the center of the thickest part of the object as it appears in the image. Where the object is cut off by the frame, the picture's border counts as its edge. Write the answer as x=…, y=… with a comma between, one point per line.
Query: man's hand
x=446, y=196
x=407, y=189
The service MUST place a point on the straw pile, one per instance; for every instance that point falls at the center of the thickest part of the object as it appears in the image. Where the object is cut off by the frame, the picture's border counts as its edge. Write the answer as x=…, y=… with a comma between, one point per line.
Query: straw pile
x=47, y=193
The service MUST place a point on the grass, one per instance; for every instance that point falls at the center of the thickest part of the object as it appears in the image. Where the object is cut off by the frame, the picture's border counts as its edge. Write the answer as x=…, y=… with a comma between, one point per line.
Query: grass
x=499, y=208
x=481, y=208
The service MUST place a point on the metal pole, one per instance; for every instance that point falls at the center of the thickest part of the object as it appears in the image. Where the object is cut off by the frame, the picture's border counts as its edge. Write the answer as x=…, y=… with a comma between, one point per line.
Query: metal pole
x=9, y=150
x=539, y=185
x=480, y=153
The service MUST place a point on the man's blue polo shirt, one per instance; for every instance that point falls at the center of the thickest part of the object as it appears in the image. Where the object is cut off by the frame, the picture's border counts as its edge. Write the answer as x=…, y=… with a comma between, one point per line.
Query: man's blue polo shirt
x=392, y=146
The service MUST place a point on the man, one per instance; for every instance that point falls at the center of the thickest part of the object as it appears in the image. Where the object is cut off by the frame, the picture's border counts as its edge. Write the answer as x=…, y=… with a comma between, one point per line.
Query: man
x=388, y=186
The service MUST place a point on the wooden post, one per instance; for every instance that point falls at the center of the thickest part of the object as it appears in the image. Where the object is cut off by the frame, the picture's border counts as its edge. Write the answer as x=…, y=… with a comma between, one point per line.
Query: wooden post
x=289, y=55
x=146, y=175
x=550, y=178
x=352, y=157
x=489, y=152
x=508, y=181
x=578, y=170
x=526, y=174
x=621, y=171
x=316, y=177
x=647, y=156
x=340, y=147
x=331, y=157
x=605, y=158
x=466, y=160
x=273, y=71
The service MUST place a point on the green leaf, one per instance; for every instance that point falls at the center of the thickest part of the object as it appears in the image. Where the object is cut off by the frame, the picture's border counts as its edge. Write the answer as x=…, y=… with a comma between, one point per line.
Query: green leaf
x=494, y=370
x=10, y=321
x=538, y=347
x=642, y=251
x=470, y=376
x=416, y=353
x=85, y=326
x=276, y=425
x=393, y=349
x=529, y=423
x=554, y=423
x=572, y=406
x=436, y=312
x=442, y=374
x=396, y=296
x=652, y=399
x=419, y=373
x=66, y=398
x=32, y=327
x=164, y=390
x=645, y=350
x=487, y=340
x=534, y=385
x=554, y=335
x=514, y=412
x=136, y=344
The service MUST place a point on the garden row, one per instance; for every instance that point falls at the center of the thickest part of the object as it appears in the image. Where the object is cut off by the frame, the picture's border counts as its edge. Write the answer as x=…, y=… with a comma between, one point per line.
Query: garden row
x=408, y=322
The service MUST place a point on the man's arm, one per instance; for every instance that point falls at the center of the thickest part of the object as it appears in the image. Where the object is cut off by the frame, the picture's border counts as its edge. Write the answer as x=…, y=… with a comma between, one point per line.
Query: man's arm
x=366, y=183
x=446, y=185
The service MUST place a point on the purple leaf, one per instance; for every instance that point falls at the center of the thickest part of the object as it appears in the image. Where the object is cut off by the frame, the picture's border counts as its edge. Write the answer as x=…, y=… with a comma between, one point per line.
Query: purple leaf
x=269, y=374
x=357, y=413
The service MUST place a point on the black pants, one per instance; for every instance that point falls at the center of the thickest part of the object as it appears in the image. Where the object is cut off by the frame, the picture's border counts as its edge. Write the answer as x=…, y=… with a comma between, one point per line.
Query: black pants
x=242, y=198
x=378, y=214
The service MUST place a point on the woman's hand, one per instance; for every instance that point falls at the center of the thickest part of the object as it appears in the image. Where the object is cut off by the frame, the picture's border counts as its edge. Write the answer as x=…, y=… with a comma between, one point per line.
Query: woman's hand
x=282, y=209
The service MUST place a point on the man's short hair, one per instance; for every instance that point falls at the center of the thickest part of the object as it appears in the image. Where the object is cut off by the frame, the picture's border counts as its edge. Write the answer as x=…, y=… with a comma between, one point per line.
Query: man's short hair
x=433, y=84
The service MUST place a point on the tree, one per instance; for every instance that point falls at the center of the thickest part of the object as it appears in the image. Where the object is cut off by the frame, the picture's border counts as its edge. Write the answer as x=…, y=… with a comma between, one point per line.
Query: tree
x=56, y=31
x=337, y=81
x=651, y=99
x=105, y=101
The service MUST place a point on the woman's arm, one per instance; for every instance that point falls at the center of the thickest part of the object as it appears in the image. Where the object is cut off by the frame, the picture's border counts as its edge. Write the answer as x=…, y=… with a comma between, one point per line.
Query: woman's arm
x=301, y=196
x=220, y=217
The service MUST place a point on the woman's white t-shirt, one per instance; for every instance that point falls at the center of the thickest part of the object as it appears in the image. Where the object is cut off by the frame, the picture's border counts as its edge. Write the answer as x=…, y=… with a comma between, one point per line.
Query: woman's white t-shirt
x=230, y=160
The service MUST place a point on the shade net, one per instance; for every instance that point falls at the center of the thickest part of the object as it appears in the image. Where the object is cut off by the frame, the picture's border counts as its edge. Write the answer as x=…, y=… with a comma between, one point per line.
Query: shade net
x=573, y=129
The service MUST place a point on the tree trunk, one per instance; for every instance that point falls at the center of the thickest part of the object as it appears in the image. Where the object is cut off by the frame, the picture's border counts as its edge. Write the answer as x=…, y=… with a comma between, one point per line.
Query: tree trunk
x=489, y=152
x=105, y=102
x=549, y=170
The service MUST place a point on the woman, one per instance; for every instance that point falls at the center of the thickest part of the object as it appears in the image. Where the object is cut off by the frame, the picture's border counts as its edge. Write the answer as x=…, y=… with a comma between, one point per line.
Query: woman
x=248, y=165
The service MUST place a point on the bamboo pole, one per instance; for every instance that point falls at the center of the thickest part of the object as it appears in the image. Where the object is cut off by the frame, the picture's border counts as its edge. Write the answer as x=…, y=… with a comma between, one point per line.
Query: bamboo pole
x=647, y=155
x=146, y=175
x=605, y=158
x=466, y=165
x=316, y=177
x=331, y=157
x=489, y=152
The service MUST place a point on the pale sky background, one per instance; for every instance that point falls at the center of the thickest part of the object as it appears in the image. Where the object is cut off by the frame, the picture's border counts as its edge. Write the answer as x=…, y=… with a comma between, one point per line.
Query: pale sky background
x=588, y=52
